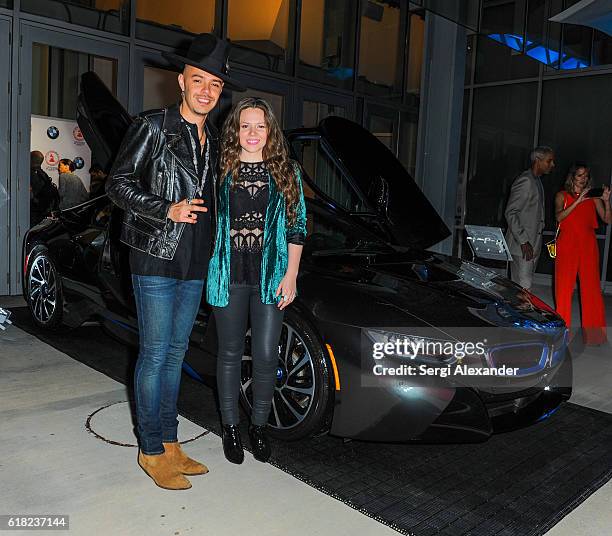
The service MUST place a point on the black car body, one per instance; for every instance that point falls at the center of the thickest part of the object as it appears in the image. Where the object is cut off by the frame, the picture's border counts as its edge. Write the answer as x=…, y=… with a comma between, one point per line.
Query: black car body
x=365, y=277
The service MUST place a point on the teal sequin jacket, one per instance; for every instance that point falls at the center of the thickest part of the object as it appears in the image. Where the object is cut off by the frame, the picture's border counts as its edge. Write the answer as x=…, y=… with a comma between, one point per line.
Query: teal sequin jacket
x=277, y=233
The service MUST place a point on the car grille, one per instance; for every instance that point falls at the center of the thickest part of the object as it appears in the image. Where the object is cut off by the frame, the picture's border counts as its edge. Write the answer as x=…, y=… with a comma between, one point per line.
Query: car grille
x=527, y=357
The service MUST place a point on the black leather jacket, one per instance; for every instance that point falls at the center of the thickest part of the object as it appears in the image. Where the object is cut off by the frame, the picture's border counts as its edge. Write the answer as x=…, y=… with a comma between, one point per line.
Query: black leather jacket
x=153, y=169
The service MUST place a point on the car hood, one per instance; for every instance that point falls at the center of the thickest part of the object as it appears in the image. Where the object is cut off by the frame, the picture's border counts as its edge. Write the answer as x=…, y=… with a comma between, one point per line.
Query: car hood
x=101, y=118
x=422, y=289
x=411, y=218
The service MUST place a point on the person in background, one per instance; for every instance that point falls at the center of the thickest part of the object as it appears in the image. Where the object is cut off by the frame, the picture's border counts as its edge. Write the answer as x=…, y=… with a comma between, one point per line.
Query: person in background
x=578, y=254
x=250, y=276
x=525, y=216
x=43, y=193
x=97, y=180
x=72, y=192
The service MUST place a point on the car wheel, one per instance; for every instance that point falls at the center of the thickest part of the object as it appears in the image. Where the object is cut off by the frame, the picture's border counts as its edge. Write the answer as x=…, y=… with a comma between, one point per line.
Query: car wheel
x=44, y=292
x=302, y=398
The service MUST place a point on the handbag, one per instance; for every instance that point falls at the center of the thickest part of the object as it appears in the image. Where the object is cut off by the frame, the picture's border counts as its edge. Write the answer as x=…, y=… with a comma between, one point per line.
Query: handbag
x=552, y=245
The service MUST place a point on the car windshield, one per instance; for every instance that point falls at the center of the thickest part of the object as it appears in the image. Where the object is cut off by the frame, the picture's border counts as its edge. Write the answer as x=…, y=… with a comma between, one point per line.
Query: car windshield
x=330, y=234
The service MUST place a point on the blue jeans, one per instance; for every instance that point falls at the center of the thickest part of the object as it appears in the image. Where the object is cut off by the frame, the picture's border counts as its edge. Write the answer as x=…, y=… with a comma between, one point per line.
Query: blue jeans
x=167, y=309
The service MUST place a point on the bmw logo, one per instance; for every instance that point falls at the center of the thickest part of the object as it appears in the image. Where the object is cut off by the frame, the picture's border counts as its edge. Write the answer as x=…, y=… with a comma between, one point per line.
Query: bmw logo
x=53, y=132
x=279, y=373
x=79, y=162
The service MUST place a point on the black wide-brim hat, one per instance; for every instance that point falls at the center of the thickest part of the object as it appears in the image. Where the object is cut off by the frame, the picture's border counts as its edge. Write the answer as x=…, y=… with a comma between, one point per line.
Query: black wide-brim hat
x=209, y=53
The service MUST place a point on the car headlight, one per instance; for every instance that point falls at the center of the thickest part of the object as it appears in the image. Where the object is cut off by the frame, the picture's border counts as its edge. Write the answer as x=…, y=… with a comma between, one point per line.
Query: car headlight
x=412, y=347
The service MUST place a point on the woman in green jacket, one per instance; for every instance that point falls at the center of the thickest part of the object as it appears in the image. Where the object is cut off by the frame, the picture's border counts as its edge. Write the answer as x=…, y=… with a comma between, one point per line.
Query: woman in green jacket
x=254, y=265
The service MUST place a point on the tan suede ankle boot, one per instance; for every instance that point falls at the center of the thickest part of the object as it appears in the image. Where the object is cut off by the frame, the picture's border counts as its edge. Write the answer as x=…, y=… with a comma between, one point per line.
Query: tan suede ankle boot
x=183, y=463
x=162, y=471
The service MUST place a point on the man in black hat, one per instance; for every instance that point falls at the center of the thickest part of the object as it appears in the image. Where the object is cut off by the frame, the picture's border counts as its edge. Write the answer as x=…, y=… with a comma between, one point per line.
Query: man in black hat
x=164, y=177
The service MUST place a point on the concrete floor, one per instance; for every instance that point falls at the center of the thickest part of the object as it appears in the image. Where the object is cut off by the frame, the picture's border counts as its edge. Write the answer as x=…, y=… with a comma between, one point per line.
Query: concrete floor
x=52, y=465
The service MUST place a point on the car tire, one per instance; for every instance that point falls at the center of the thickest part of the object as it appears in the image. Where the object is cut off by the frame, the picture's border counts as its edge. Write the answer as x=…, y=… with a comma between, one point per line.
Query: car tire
x=44, y=292
x=303, y=395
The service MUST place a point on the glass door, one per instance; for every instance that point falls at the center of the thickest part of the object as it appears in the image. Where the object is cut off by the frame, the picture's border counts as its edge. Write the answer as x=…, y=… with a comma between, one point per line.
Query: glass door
x=154, y=84
x=5, y=109
x=51, y=64
x=315, y=105
x=384, y=124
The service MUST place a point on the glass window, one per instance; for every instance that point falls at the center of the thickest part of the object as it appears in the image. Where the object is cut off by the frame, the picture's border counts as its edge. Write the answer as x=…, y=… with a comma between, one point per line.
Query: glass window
x=327, y=41
x=275, y=100
x=416, y=48
x=160, y=88
x=469, y=55
x=465, y=116
x=504, y=21
x=384, y=129
x=409, y=129
x=535, y=31
x=577, y=133
x=502, y=136
x=54, y=132
x=576, y=46
x=381, y=29
x=324, y=172
x=313, y=112
x=464, y=12
x=496, y=62
x=56, y=75
x=169, y=22
x=554, y=32
x=512, y=33
x=602, y=48
x=260, y=35
x=6, y=3
x=109, y=15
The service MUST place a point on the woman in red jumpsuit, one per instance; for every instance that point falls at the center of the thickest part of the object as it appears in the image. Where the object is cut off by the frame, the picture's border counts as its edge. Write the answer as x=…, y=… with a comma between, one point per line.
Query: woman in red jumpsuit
x=577, y=252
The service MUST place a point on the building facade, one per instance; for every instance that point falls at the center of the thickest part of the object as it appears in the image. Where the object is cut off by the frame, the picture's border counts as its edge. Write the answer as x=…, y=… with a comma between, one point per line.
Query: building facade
x=460, y=110
x=555, y=90
x=310, y=58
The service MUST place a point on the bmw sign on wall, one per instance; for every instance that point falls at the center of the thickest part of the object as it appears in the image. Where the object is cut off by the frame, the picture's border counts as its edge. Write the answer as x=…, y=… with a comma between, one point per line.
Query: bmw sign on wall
x=53, y=132
x=60, y=138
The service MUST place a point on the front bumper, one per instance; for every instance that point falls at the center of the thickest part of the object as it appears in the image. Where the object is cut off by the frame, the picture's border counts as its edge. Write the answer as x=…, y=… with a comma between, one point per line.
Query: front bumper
x=396, y=413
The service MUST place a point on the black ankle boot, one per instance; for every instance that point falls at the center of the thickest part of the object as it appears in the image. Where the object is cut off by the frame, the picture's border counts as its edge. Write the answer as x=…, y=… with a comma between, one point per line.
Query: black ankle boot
x=232, y=445
x=259, y=442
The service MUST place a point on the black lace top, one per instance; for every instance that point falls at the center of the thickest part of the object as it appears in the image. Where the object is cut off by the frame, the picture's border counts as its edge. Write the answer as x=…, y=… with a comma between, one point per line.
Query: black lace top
x=248, y=201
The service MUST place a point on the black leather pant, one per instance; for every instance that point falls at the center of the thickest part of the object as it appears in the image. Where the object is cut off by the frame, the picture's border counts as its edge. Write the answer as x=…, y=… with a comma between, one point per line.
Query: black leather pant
x=266, y=324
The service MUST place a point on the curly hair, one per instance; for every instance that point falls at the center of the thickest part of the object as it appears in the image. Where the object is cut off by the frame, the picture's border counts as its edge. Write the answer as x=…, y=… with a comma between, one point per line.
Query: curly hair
x=275, y=153
x=571, y=174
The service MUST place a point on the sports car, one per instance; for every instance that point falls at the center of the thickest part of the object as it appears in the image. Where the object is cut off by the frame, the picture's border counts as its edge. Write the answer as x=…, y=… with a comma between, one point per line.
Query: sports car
x=371, y=347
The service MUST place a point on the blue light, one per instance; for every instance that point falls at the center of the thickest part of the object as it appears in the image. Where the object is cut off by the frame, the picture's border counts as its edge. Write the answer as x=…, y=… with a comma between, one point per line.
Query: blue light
x=123, y=325
x=341, y=73
x=543, y=55
x=189, y=370
x=547, y=414
x=539, y=52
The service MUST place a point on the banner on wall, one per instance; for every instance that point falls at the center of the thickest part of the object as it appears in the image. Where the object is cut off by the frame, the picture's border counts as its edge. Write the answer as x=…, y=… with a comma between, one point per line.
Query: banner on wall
x=60, y=138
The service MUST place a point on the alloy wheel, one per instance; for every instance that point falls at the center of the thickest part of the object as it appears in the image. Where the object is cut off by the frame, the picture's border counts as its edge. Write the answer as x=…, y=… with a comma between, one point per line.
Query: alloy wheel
x=295, y=380
x=42, y=289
